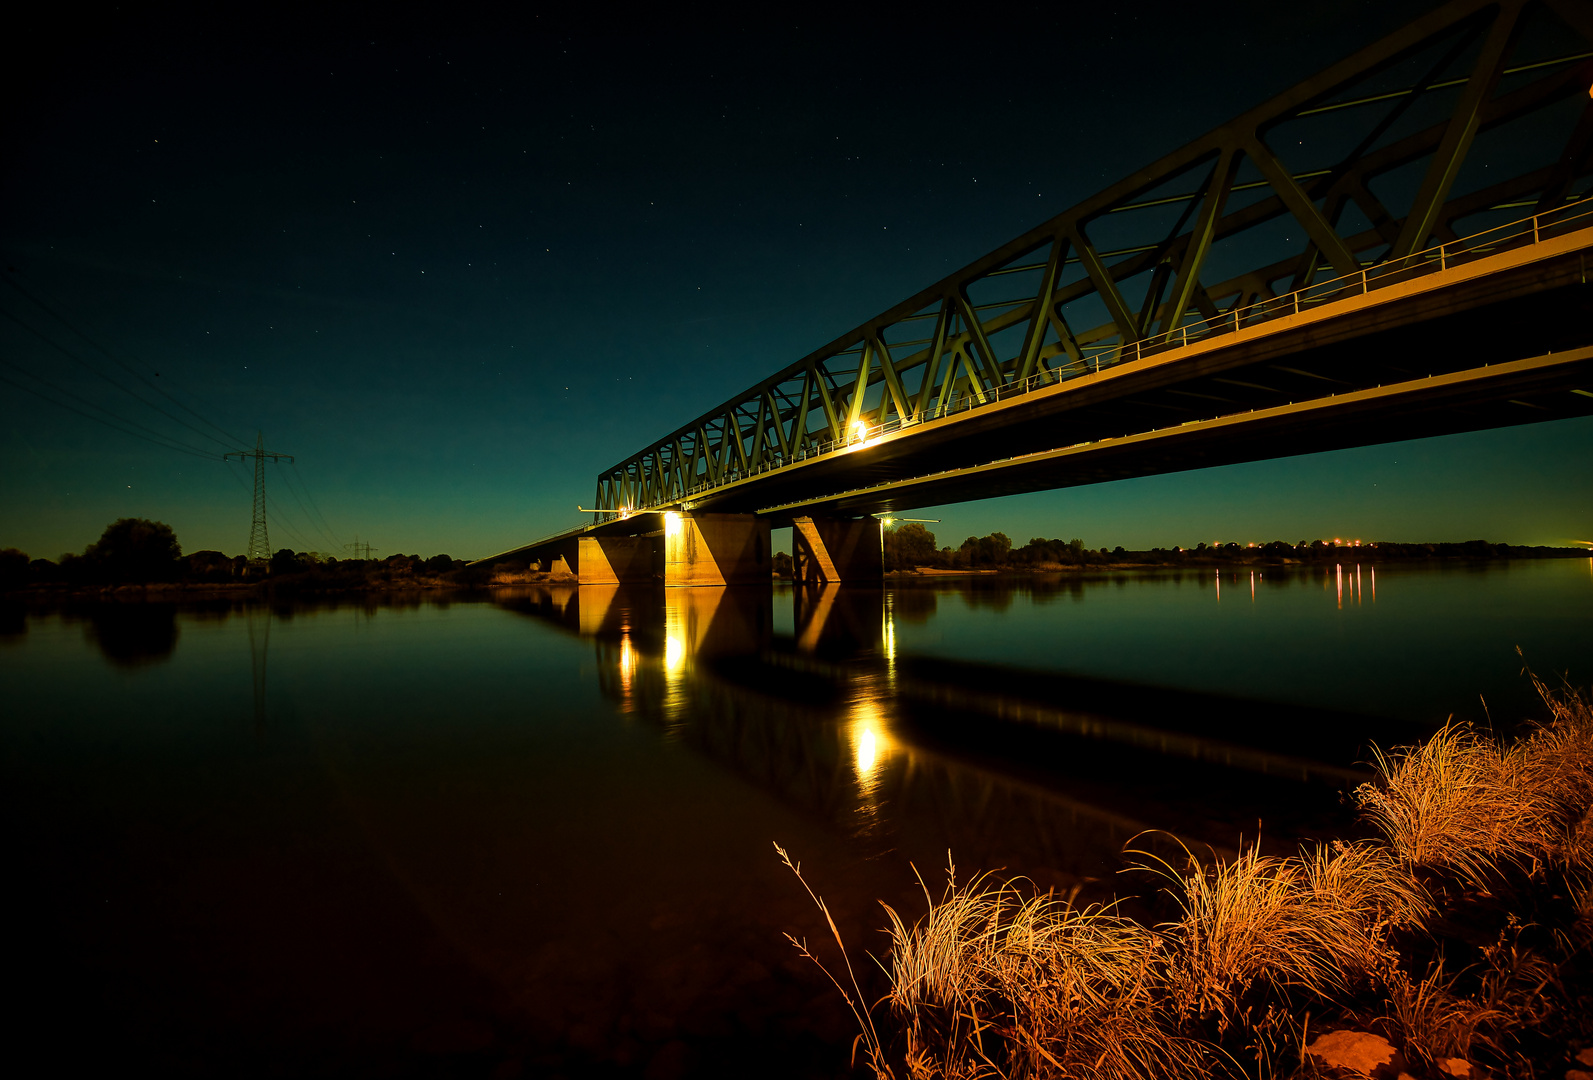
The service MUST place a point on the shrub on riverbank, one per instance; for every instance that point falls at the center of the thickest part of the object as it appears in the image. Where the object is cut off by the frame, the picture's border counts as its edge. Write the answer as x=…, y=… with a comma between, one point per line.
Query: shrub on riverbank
x=1460, y=933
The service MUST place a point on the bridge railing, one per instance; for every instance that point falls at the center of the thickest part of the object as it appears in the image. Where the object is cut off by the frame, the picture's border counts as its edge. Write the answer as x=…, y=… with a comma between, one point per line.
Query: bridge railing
x=1523, y=233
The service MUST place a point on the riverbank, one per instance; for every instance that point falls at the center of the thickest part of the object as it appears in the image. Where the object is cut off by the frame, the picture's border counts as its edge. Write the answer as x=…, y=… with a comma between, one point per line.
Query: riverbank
x=1455, y=944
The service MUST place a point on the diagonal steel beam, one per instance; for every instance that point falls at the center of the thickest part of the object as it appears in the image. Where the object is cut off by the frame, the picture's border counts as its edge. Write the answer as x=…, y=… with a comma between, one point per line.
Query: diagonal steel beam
x=1462, y=129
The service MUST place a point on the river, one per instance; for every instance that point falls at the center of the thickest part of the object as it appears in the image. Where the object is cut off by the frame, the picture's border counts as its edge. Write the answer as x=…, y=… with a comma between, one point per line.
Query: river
x=532, y=833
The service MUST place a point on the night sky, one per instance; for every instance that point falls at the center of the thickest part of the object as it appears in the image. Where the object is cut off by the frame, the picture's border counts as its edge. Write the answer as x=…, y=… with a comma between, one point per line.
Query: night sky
x=457, y=270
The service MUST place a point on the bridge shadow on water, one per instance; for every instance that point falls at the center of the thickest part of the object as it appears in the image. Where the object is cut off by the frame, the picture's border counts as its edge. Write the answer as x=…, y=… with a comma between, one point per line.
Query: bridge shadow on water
x=804, y=694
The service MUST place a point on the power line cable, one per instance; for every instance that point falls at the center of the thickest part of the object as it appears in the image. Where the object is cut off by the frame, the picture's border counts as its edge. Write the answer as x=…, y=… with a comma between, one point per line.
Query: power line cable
x=282, y=521
x=298, y=493
x=241, y=482
x=114, y=425
x=94, y=370
x=151, y=433
x=64, y=321
x=313, y=504
x=307, y=516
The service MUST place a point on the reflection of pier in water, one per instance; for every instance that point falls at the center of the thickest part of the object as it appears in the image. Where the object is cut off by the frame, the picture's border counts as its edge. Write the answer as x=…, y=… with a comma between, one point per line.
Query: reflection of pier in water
x=1006, y=767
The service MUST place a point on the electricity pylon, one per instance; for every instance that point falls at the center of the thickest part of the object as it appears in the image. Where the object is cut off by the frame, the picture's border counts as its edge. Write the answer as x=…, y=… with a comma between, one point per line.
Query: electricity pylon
x=259, y=542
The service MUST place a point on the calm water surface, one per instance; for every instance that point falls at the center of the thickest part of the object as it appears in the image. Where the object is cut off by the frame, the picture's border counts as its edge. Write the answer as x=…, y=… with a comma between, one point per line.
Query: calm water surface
x=531, y=833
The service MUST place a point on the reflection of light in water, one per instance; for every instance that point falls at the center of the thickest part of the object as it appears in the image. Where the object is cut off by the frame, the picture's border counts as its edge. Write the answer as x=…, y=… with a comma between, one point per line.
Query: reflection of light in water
x=627, y=667
x=1252, y=584
x=677, y=632
x=1374, y=584
x=1340, y=582
x=871, y=749
x=1357, y=583
x=1219, y=586
x=866, y=747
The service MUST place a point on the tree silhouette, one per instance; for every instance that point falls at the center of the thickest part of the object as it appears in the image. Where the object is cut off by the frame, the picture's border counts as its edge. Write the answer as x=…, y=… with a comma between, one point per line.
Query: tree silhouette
x=135, y=550
x=909, y=545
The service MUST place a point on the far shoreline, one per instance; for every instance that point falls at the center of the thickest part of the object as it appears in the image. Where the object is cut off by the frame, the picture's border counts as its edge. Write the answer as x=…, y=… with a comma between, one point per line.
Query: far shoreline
x=291, y=587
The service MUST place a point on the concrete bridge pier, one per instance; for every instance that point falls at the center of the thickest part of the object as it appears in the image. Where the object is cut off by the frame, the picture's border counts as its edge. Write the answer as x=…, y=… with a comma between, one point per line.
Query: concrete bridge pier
x=828, y=550
x=616, y=560
x=715, y=549
x=690, y=549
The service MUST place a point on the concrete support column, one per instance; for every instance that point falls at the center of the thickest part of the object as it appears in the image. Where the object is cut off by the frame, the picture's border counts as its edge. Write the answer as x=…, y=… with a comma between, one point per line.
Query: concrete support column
x=829, y=550
x=615, y=560
x=716, y=549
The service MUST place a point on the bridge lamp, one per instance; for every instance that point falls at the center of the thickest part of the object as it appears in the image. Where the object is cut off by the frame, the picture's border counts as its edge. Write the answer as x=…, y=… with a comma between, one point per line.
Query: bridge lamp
x=672, y=523
x=859, y=429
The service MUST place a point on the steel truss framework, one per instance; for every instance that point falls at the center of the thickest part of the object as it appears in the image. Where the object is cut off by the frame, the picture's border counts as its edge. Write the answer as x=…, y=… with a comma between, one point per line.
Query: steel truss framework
x=1475, y=114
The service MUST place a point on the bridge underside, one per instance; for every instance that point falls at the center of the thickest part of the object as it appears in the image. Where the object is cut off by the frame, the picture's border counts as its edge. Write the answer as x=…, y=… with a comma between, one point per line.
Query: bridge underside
x=1500, y=395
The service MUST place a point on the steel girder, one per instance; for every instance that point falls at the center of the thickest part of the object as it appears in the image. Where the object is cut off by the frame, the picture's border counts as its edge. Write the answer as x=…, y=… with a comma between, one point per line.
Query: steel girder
x=1477, y=110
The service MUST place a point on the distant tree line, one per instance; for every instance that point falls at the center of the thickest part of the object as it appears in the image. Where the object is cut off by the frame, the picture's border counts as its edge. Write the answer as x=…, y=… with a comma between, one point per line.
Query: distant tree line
x=910, y=546
x=137, y=551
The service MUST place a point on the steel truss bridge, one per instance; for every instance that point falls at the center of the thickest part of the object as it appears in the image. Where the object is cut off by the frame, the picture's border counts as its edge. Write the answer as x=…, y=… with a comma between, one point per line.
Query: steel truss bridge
x=1396, y=247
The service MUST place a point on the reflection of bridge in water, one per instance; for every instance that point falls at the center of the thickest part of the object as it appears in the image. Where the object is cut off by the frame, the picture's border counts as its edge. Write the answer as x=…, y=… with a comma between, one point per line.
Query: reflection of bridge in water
x=1042, y=773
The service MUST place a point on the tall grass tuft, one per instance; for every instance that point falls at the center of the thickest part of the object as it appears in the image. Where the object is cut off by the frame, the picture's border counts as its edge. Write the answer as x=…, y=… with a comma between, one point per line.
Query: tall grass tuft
x=1316, y=923
x=1470, y=806
x=996, y=982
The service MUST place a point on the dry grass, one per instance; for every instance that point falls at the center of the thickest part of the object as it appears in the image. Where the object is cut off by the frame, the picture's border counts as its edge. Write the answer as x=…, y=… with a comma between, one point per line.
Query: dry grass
x=1431, y=1022
x=868, y=1036
x=997, y=981
x=1467, y=805
x=1317, y=922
